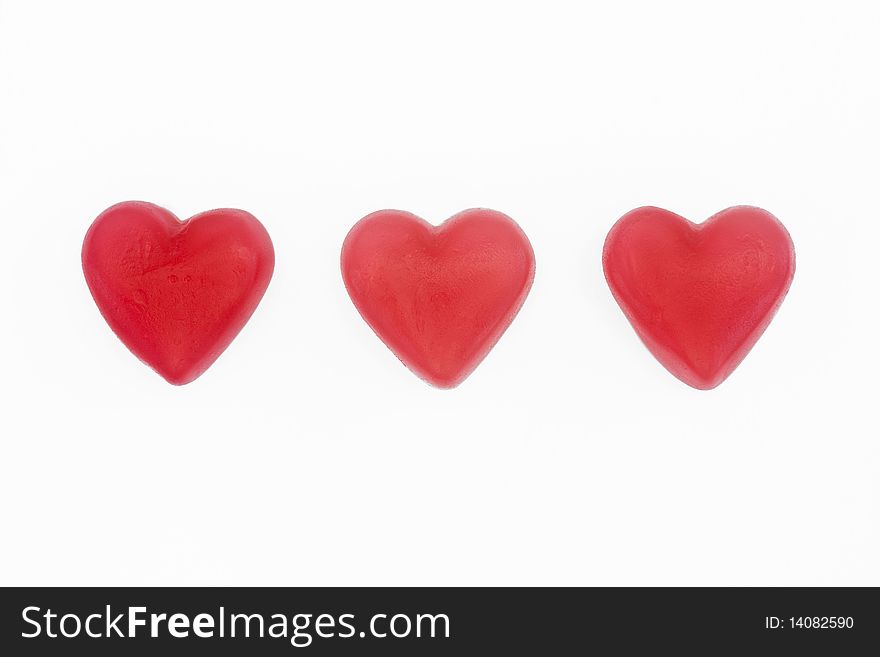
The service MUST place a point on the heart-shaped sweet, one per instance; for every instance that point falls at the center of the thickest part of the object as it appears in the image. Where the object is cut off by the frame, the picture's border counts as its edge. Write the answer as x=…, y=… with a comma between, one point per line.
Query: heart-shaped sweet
x=176, y=292
x=438, y=297
x=699, y=295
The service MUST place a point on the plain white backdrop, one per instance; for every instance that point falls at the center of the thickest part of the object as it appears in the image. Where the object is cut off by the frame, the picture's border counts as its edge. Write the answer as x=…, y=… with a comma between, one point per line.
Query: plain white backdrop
x=308, y=455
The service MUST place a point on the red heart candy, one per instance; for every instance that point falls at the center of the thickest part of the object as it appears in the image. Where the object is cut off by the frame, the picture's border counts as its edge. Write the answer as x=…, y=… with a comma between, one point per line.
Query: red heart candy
x=699, y=295
x=176, y=293
x=439, y=297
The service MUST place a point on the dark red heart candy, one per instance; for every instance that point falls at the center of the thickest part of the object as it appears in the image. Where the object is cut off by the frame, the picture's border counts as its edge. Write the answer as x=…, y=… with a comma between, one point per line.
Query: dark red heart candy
x=176, y=293
x=439, y=297
x=699, y=295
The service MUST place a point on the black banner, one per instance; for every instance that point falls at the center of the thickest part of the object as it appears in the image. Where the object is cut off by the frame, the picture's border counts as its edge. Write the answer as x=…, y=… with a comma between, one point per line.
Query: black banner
x=445, y=621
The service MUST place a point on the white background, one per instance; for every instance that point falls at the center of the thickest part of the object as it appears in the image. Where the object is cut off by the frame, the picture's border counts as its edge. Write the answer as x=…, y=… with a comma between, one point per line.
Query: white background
x=308, y=455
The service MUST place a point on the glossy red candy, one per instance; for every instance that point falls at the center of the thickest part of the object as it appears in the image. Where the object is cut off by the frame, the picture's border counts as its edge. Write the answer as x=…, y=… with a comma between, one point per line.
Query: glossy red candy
x=176, y=293
x=439, y=297
x=699, y=295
